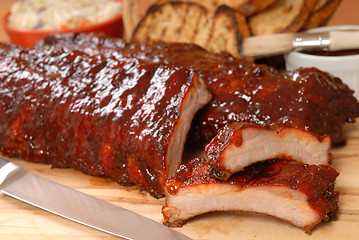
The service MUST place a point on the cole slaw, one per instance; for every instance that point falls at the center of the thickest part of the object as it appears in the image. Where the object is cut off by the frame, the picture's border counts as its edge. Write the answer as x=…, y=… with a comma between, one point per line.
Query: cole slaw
x=61, y=14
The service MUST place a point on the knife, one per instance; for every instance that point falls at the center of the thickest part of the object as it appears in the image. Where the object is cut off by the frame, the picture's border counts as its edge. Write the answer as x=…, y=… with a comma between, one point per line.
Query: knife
x=69, y=203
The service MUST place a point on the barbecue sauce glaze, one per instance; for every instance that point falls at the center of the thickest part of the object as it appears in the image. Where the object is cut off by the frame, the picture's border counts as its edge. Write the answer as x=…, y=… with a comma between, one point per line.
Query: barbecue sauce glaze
x=105, y=116
x=94, y=103
x=307, y=98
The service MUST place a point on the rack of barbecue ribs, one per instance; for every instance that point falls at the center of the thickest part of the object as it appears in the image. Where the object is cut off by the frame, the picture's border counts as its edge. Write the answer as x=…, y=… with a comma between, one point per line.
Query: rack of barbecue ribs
x=123, y=109
x=120, y=119
x=306, y=99
x=294, y=192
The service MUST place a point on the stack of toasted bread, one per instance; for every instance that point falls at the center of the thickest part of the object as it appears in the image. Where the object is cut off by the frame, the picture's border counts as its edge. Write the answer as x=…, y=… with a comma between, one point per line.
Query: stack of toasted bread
x=221, y=25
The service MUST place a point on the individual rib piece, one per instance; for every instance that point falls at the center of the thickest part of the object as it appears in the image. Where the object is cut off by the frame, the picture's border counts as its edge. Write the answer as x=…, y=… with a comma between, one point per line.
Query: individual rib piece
x=120, y=119
x=306, y=99
x=294, y=192
x=238, y=145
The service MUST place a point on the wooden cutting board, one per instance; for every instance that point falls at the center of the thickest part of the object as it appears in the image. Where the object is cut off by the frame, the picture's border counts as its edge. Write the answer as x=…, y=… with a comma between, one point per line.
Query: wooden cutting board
x=21, y=221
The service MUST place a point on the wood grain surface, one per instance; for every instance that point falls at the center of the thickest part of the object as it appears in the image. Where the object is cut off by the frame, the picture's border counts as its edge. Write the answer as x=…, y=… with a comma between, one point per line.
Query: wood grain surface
x=21, y=221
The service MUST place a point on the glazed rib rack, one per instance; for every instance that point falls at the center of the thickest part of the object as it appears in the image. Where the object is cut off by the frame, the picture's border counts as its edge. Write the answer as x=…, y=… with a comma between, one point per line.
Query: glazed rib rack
x=122, y=119
x=123, y=110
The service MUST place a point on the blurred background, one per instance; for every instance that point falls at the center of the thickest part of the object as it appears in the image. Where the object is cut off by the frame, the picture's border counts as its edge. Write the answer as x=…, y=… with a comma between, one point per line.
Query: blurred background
x=346, y=14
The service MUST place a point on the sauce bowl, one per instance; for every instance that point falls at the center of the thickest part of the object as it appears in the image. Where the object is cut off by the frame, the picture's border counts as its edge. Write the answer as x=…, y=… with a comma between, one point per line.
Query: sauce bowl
x=345, y=66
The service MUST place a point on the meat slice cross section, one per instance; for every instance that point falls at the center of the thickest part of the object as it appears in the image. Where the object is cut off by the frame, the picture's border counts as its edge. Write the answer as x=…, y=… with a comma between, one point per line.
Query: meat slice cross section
x=117, y=118
x=297, y=193
x=238, y=145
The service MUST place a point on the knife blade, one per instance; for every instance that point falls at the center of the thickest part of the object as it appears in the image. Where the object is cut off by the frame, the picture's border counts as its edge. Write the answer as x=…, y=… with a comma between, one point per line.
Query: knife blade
x=69, y=203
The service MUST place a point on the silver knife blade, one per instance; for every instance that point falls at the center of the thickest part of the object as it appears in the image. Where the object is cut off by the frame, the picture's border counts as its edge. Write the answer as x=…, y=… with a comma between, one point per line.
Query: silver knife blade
x=69, y=203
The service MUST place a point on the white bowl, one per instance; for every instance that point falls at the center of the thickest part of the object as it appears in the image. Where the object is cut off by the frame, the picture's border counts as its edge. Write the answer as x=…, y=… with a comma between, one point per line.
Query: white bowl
x=344, y=67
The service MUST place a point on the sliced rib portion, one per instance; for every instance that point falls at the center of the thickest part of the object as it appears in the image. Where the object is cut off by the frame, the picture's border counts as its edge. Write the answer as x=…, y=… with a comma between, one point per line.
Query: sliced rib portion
x=294, y=192
x=238, y=145
x=306, y=99
x=122, y=119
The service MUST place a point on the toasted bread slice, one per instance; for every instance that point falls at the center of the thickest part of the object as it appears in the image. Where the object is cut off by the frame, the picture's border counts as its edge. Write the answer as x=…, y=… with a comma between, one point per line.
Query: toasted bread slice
x=323, y=10
x=282, y=16
x=210, y=5
x=247, y=7
x=254, y=6
x=130, y=16
x=228, y=30
x=169, y=22
x=188, y=22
